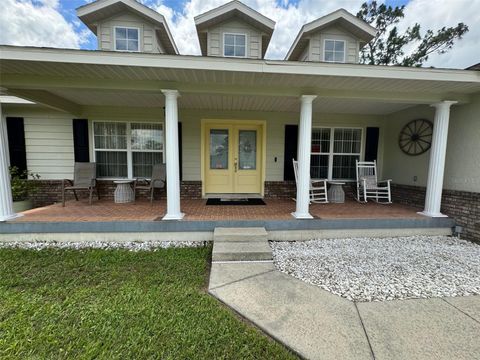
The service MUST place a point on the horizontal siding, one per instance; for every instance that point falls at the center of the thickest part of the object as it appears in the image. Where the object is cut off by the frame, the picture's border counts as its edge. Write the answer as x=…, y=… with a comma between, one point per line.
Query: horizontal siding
x=334, y=33
x=49, y=146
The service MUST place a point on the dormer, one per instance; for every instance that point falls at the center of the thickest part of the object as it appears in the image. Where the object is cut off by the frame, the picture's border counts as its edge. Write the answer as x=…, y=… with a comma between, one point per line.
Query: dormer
x=234, y=30
x=337, y=37
x=127, y=25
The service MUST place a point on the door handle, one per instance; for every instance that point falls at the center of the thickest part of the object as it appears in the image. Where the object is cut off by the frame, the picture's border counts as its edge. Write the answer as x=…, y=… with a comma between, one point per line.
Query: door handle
x=236, y=165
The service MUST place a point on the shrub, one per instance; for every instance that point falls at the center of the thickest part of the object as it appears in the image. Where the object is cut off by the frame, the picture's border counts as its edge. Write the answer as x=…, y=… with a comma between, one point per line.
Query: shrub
x=23, y=183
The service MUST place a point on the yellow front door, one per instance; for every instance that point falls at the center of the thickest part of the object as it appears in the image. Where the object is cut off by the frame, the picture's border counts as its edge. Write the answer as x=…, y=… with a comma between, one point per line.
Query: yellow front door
x=233, y=158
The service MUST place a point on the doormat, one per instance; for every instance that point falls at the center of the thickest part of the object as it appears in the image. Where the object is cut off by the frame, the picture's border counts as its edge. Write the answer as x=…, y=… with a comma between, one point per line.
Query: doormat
x=249, y=201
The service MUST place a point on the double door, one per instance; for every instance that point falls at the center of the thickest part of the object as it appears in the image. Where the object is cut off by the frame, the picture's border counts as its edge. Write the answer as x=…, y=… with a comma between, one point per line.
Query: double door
x=233, y=158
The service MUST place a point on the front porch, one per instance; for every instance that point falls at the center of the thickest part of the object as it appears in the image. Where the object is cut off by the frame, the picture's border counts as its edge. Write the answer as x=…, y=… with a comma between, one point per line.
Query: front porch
x=197, y=210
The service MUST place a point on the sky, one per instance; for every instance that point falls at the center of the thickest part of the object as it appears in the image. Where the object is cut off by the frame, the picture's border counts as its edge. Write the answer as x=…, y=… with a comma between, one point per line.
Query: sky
x=53, y=23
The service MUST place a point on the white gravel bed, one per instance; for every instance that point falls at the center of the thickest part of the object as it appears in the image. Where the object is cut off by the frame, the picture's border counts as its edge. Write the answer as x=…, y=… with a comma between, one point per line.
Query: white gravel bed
x=378, y=269
x=107, y=245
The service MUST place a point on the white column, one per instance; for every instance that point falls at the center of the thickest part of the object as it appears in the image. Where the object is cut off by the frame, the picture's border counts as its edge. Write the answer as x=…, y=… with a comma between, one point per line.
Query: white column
x=303, y=154
x=436, y=165
x=172, y=159
x=6, y=202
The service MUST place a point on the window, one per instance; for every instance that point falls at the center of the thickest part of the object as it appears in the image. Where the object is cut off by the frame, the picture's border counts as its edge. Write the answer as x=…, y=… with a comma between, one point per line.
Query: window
x=334, y=152
x=127, y=39
x=334, y=51
x=127, y=149
x=234, y=45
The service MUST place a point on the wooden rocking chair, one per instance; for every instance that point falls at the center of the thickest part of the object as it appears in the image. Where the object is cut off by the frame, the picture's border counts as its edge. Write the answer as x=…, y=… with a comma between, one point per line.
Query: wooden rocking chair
x=318, y=188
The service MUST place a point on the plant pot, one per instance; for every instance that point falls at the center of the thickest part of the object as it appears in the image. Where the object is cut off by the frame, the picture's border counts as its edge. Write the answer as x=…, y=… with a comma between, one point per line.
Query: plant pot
x=19, y=206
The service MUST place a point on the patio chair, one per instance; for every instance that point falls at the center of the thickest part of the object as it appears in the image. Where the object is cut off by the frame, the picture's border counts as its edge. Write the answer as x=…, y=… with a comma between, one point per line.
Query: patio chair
x=368, y=187
x=158, y=180
x=318, y=187
x=84, y=178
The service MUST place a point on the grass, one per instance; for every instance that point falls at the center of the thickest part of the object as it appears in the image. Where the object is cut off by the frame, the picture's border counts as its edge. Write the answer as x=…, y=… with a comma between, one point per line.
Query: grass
x=116, y=304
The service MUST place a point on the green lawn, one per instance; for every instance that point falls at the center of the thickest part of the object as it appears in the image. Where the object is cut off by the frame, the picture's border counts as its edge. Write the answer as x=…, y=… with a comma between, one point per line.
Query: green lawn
x=107, y=304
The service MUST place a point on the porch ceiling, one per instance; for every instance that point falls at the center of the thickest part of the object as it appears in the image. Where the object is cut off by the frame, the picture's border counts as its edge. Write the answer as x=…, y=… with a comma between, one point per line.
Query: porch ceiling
x=72, y=79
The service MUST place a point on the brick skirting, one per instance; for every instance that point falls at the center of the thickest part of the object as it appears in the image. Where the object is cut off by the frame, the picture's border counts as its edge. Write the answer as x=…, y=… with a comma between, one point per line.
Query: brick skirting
x=463, y=206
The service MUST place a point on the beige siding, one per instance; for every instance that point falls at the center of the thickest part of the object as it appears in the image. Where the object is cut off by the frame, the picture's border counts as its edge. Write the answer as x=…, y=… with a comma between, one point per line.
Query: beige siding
x=148, y=39
x=462, y=167
x=275, y=124
x=49, y=145
x=317, y=41
x=253, y=38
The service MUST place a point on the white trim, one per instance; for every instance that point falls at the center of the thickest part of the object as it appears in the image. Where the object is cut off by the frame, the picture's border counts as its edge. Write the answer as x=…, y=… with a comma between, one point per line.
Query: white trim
x=126, y=27
x=235, y=34
x=18, y=53
x=334, y=51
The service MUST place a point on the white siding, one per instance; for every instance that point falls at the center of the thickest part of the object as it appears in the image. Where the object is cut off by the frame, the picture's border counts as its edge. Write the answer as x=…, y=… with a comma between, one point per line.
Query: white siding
x=334, y=33
x=148, y=38
x=215, y=38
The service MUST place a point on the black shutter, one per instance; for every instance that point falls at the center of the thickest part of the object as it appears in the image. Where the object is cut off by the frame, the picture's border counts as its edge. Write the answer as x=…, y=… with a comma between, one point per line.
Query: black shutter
x=180, y=148
x=371, y=143
x=291, y=142
x=16, y=143
x=80, y=140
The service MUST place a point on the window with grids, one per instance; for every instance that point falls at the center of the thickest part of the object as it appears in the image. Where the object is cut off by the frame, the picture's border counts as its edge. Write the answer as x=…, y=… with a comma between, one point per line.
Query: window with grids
x=127, y=149
x=127, y=39
x=234, y=45
x=334, y=51
x=334, y=152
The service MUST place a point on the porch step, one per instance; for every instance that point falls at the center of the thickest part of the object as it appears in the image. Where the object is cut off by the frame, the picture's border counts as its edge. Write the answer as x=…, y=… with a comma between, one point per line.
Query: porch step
x=247, y=234
x=241, y=251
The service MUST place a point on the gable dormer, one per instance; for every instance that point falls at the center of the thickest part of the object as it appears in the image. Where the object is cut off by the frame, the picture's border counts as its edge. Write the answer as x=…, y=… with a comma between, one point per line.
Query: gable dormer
x=127, y=25
x=336, y=37
x=234, y=30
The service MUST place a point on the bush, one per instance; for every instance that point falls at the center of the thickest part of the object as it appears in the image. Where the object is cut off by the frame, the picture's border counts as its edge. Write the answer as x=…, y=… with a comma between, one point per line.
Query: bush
x=23, y=184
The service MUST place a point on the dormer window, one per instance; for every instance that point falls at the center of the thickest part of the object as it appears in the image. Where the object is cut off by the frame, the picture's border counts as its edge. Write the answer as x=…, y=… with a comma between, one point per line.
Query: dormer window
x=234, y=45
x=127, y=39
x=334, y=51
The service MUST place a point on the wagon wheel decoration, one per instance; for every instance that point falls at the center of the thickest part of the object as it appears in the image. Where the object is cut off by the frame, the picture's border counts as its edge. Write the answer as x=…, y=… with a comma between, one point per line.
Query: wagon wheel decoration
x=416, y=137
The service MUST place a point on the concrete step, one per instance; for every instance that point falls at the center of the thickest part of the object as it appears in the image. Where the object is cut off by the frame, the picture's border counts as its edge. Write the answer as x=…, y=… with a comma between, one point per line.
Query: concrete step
x=241, y=251
x=254, y=234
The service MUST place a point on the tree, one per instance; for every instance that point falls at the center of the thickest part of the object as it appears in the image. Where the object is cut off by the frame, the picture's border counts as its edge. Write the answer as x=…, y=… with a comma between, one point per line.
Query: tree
x=389, y=45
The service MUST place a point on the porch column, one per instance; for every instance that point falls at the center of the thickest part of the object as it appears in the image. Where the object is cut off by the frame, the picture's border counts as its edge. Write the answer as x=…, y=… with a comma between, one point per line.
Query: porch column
x=304, y=149
x=171, y=149
x=6, y=202
x=436, y=165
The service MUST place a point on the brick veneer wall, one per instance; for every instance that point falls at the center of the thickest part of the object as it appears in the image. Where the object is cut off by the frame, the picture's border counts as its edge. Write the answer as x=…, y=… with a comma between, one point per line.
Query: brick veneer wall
x=463, y=206
x=50, y=191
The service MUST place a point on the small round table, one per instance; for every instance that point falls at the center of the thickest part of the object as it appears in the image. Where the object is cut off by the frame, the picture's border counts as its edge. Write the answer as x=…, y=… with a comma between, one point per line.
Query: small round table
x=123, y=192
x=336, y=193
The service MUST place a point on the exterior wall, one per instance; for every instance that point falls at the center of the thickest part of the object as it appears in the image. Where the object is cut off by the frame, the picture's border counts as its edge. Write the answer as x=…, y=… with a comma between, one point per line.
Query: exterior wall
x=148, y=38
x=215, y=38
x=334, y=33
x=462, y=169
x=48, y=142
x=275, y=127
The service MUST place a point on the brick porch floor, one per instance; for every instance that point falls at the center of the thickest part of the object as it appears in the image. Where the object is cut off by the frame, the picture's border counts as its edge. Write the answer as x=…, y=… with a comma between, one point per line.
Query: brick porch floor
x=105, y=210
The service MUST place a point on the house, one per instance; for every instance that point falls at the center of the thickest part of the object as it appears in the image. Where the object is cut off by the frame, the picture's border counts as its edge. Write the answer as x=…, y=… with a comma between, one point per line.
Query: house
x=230, y=121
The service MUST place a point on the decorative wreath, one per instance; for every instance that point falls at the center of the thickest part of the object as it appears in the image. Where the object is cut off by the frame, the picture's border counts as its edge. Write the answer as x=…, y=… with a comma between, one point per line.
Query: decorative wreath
x=416, y=137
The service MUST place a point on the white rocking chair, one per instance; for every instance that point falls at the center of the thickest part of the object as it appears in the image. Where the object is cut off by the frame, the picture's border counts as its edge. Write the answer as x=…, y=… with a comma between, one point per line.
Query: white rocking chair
x=368, y=187
x=318, y=188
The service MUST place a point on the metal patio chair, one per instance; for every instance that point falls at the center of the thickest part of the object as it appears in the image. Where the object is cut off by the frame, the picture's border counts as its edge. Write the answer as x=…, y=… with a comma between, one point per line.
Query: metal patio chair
x=369, y=187
x=84, y=178
x=157, y=180
x=318, y=187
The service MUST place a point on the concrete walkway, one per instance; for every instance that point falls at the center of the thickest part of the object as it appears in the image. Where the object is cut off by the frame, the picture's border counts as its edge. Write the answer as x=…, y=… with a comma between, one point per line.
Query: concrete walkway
x=319, y=325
